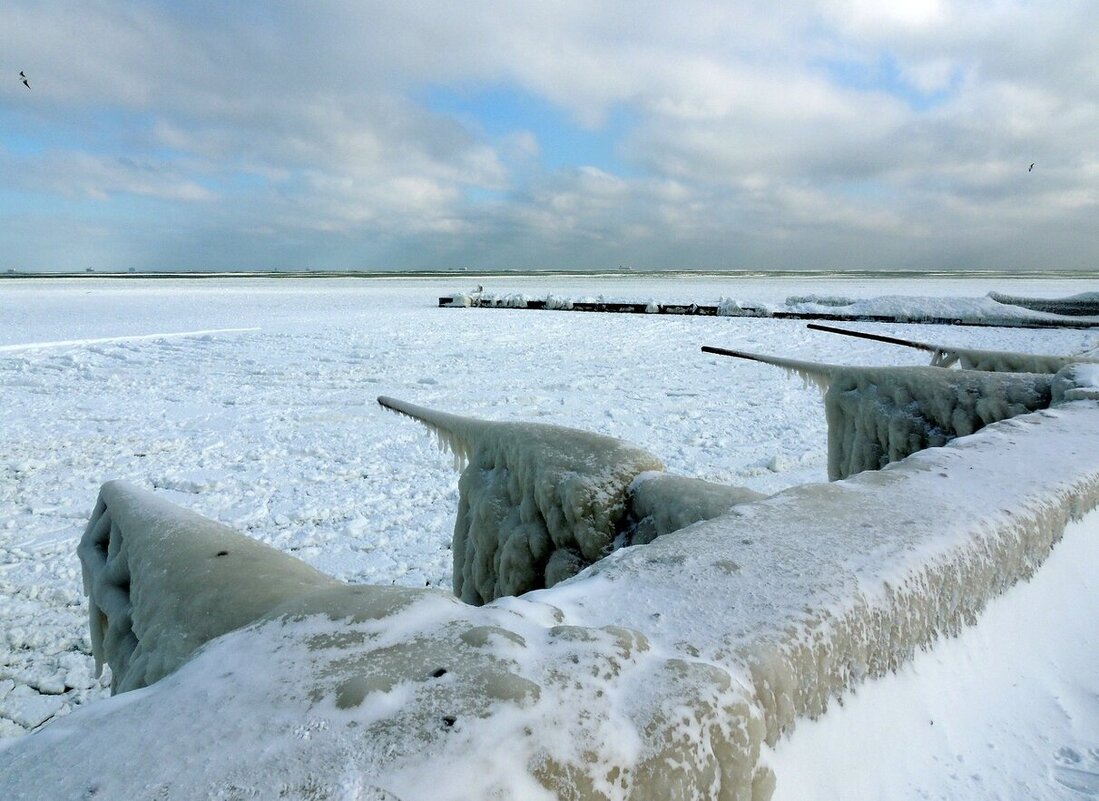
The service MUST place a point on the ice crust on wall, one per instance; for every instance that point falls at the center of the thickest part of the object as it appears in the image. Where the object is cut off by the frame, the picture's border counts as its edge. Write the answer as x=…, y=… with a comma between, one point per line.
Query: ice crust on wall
x=1001, y=361
x=161, y=581
x=658, y=673
x=537, y=503
x=660, y=503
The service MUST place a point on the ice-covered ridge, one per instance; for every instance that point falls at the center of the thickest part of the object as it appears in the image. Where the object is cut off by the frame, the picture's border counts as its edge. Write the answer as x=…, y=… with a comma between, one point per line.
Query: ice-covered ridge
x=1083, y=304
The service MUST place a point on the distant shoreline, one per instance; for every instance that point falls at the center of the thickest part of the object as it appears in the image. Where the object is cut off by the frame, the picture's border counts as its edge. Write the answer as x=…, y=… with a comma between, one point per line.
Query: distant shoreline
x=1059, y=274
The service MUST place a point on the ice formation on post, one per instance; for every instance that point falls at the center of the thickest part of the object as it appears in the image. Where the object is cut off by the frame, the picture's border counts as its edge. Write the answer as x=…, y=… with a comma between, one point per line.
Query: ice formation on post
x=998, y=361
x=1082, y=305
x=537, y=503
x=879, y=415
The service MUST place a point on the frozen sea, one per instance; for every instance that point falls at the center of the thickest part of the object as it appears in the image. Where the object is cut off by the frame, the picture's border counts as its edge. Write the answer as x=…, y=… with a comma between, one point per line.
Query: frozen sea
x=252, y=401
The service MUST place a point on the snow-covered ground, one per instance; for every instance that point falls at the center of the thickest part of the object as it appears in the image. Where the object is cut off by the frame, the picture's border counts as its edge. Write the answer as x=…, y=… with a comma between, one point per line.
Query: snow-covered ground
x=252, y=402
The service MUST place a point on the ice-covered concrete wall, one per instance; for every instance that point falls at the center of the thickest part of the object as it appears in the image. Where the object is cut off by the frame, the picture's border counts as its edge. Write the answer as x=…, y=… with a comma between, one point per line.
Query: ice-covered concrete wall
x=658, y=673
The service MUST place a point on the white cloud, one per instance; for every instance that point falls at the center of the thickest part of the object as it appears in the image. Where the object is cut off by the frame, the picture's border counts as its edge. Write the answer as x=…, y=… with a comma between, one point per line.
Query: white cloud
x=740, y=147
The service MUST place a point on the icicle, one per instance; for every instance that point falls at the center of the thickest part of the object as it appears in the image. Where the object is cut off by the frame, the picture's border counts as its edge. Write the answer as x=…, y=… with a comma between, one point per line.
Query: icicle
x=811, y=373
x=444, y=426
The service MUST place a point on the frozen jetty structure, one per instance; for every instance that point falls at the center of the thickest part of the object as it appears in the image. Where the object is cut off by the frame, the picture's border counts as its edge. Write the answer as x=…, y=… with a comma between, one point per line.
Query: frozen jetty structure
x=538, y=503
x=1082, y=305
x=1081, y=311
x=660, y=672
x=879, y=415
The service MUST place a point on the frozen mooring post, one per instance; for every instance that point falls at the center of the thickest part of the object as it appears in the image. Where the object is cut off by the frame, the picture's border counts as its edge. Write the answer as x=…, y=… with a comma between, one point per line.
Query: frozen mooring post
x=997, y=361
x=659, y=672
x=879, y=415
x=538, y=503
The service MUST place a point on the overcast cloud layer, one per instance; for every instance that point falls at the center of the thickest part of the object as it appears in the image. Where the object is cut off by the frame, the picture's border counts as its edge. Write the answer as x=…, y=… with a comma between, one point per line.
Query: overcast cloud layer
x=255, y=135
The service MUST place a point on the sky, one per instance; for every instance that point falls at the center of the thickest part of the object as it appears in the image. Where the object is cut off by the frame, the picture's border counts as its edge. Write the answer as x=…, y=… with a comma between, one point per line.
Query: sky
x=836, y=134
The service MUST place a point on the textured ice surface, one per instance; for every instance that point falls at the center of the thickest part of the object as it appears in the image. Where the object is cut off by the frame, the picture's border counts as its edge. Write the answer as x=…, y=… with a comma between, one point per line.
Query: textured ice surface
x=1001, y=361
x=881, y=415
x=536, y=504
x=162, y=581
x=661, y=503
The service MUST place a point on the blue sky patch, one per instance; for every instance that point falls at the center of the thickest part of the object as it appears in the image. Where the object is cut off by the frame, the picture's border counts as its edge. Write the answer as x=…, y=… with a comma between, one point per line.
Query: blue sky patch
x=885, y=75
x=497, y=112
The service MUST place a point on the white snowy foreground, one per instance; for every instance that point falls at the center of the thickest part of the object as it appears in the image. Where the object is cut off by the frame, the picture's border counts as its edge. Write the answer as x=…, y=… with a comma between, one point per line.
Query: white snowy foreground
x=274, y=432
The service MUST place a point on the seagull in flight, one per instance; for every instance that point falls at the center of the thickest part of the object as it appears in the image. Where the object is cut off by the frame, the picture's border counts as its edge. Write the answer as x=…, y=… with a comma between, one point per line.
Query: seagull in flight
x=1031, y=167
x=23, y=75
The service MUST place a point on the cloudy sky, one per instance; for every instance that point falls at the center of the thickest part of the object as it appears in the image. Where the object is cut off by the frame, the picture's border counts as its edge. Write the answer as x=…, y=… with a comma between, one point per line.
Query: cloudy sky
x=572, y=134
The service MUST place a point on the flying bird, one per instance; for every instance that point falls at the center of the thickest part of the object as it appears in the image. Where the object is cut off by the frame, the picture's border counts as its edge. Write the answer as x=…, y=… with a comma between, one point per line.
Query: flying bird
x=1031, y=167
x=23, y=75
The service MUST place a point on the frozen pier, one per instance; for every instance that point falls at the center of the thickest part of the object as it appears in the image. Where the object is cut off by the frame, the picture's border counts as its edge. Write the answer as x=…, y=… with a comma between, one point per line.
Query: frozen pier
x=987, y=311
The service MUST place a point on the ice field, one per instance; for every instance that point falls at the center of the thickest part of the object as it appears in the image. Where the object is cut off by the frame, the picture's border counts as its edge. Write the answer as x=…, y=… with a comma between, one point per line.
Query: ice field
x=252, y=402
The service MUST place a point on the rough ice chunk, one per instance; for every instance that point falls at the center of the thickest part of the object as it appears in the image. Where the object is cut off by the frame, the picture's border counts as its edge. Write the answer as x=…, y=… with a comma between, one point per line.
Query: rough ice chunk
x=162, y=581
x=537, y=503
x=661, y=503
